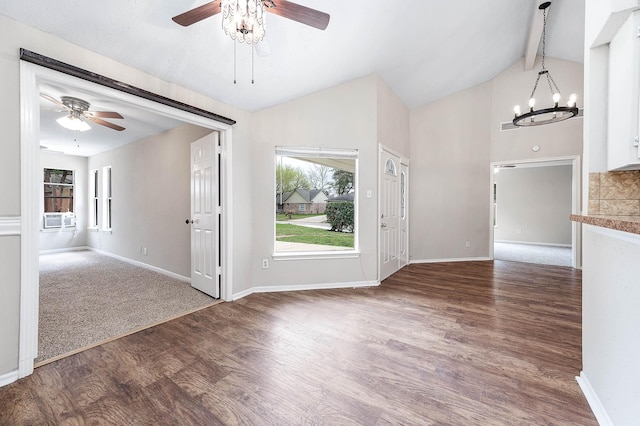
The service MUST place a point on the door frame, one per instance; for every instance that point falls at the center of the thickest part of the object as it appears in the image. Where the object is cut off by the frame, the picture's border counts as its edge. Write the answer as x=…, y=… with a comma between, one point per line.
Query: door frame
x=30, y=77
x=403, y=160
x=576, y=187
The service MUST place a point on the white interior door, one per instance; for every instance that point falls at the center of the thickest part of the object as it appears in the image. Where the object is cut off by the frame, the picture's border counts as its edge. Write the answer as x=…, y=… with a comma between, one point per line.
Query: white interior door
x=389, y=213
x=205, y=214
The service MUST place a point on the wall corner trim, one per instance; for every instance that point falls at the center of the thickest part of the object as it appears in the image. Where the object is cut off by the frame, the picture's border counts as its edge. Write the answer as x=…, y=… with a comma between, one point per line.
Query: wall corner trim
x=10, y=225
x=593, y=400
x=8, y=378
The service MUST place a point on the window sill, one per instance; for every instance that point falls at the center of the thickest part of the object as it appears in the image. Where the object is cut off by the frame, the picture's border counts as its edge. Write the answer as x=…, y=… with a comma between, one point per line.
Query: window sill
x=316, y=255
x=65, y=229
x=106, y=231
x=92, y=229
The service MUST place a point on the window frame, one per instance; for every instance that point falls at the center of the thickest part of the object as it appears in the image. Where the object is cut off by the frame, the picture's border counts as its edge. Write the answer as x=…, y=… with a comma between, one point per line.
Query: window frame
x=107, y=187
x=69, y=215
x=94, y=197
x=337, y=153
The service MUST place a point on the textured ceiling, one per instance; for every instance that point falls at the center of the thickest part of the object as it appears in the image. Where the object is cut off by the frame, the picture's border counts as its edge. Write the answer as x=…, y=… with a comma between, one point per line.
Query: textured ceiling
x=422, y=49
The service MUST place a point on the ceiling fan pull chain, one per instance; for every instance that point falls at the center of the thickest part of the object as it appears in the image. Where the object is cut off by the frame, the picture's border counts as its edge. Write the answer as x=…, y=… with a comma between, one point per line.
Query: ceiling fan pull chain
x=252, y=55
x=235, y=43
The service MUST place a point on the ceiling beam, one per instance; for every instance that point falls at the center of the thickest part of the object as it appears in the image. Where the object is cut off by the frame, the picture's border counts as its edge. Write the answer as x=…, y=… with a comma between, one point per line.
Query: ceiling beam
x=535, y=36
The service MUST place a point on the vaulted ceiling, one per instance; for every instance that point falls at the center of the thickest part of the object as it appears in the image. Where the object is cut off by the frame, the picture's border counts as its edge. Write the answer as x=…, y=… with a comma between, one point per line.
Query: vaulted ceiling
x=423, y=49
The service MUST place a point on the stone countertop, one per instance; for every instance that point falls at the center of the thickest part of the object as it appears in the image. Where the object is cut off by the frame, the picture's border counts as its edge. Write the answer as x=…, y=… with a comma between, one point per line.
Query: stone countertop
x=621, y=223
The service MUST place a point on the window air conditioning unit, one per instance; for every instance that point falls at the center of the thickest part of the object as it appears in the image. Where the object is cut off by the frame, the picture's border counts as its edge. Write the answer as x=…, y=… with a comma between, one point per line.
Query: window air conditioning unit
x=52, y=220
x=59, y=220
x=68, y=221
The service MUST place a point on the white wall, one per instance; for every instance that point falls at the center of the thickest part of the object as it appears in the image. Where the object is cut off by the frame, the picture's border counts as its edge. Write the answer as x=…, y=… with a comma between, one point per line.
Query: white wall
x=344, y=116
x=393, y=121
x=150, y=199
x=449, y=177
x=68, y=238
x=535, y=201
x=15, y=35
x=611, y=321
x=452, y=142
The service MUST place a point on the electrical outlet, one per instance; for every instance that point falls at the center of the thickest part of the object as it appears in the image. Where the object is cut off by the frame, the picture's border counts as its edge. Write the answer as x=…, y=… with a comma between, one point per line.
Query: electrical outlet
x=265, y=263
x=468, y=244
x=144, y=251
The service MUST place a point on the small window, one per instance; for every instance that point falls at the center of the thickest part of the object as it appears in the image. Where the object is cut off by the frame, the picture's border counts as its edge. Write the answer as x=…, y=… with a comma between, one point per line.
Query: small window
x=390, y=168
x=316, y=198
x=95, y=206
x=106, y=186
x=58, y=199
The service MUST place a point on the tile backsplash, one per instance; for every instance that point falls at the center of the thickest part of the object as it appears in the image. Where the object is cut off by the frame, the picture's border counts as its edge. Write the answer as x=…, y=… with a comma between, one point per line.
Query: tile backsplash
x=614, y=193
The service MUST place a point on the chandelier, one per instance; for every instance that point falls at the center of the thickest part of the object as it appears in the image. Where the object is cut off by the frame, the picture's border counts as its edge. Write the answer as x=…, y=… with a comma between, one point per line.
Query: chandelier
x=243, y=20
x=537, y=117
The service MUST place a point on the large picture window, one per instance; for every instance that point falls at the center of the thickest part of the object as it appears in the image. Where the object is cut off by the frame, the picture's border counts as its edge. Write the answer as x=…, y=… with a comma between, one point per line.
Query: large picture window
x=316, y=200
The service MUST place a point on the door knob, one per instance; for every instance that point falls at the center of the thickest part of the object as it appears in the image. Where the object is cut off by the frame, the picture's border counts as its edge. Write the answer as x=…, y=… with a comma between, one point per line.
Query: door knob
x=383, y=225
x=188, y=221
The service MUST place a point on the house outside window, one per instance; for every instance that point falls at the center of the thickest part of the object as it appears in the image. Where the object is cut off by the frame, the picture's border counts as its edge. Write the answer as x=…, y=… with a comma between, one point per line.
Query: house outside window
x=316, y=199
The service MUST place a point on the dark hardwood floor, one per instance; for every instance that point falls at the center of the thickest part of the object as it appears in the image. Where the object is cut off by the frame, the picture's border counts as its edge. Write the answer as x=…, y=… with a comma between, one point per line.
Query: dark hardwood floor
x=473, y=343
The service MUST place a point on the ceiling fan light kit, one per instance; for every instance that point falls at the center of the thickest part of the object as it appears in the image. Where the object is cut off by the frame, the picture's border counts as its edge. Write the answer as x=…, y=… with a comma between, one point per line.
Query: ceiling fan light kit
x=243, y=20
x=554, y=114
x=73, y=123
x=78, y=112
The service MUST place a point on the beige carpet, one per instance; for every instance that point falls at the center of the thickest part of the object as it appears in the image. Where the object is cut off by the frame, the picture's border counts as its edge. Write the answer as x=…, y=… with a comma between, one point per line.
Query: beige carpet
x=86, y=298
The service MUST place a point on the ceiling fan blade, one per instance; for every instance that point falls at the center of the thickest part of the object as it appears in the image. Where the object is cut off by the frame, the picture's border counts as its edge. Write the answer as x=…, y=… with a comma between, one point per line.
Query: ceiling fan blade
x=106, y=124
x=198, y=14
x=102, y=114
x=54, y=100
x=304, y=15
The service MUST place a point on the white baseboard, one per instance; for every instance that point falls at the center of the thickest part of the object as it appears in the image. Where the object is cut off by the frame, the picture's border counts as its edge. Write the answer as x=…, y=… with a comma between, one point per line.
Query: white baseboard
x=64, y=250
x=533, y=243
x=8, y=378
x=593, y=400
x=273, y=289
x=144, y=265
x=461, y=259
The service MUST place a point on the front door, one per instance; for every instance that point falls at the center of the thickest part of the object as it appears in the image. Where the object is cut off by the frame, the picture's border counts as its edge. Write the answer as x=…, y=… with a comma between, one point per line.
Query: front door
x=389, y=213
x=205, y=214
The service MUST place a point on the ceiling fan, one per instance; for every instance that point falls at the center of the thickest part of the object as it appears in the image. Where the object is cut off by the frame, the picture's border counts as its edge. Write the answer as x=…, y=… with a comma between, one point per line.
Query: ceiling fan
x=78, y=111
x=286, y=9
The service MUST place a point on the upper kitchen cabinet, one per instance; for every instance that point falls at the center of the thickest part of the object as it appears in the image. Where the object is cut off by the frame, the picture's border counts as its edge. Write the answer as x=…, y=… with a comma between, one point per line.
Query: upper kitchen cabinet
x=623, y=152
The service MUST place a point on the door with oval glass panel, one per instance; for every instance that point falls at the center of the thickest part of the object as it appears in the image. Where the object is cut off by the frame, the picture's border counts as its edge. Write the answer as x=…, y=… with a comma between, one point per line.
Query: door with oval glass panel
x=389, y=213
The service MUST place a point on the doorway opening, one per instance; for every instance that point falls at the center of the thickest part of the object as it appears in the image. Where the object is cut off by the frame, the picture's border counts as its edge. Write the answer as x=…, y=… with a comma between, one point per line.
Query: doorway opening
x=32, y=77
x=531, y=202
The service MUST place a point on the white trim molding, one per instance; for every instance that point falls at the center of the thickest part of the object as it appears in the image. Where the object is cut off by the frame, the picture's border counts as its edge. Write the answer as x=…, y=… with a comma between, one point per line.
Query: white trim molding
x=593, y=400
x=143, y=265
x=461, y=259
x=274, y=289
x=9, y=377
x=10, y=225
